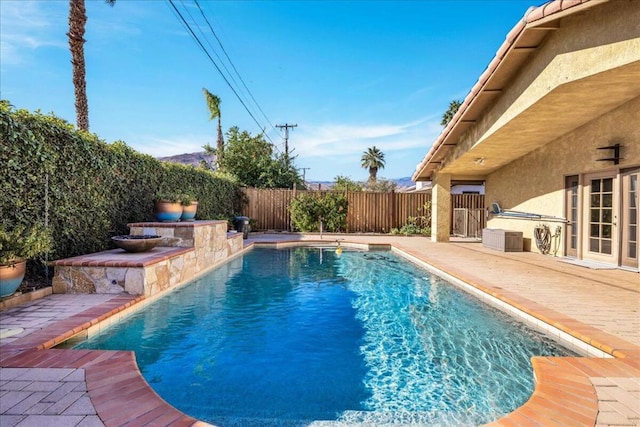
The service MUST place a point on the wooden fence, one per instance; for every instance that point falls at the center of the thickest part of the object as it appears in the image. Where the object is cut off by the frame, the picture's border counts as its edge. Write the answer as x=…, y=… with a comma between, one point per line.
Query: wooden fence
x=368, y=212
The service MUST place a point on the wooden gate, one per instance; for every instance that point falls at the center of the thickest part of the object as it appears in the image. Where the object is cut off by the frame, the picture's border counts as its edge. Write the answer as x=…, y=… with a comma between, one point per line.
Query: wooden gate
x=467, y=215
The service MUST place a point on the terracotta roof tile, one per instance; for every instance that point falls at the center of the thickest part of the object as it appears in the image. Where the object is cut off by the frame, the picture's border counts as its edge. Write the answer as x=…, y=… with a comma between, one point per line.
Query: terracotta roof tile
x=532, y=15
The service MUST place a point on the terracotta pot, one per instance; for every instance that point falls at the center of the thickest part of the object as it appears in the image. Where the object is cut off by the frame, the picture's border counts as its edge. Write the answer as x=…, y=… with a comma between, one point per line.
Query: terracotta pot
x=189, y=212
x=11, y=277
x=166, y=211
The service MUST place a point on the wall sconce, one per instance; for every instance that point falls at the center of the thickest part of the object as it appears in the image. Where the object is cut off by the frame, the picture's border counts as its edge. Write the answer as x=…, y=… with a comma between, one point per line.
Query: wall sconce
x=616, y=154
x=479, y=161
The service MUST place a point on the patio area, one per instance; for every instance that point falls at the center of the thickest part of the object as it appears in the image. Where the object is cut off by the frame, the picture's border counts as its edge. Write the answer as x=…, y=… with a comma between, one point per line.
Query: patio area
x=599, y=307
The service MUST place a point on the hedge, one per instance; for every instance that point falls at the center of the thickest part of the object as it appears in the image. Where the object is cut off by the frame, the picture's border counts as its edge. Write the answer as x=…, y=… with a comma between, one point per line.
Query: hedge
x=88, y=190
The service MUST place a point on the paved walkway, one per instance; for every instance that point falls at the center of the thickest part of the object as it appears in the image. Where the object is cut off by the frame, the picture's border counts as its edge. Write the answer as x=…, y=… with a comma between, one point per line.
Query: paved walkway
x=45, y=397
x=601, y=307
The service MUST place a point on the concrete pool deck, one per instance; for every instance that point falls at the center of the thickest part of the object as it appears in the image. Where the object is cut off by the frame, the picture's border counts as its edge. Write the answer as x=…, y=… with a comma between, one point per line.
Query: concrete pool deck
x=42, y=386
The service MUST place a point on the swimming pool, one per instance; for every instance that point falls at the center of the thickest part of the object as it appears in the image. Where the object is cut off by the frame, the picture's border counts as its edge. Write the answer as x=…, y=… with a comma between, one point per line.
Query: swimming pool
x=285, y=337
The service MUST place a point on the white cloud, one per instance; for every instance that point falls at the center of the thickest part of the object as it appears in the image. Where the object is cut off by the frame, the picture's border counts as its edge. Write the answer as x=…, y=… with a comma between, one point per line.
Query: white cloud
x=30, y=25
x=332, y=140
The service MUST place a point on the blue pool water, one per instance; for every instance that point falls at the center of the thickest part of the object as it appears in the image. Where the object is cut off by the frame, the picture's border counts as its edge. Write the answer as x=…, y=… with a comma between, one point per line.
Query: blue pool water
x=284, y=337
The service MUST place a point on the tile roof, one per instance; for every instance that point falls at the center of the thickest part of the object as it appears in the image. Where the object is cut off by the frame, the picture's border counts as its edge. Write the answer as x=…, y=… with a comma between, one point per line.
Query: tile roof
x=535, y=17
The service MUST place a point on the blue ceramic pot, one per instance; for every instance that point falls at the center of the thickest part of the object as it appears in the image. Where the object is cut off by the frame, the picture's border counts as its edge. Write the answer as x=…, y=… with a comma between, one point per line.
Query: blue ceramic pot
x=168, y=211
x=11, y=277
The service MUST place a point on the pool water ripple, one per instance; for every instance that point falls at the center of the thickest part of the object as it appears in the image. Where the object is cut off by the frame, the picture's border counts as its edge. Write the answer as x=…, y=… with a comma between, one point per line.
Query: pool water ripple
x=285, y=337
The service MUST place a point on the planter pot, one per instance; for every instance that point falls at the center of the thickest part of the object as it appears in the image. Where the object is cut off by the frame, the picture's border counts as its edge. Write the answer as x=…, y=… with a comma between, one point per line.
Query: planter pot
x=11, y=277
x=189, y=212
x=168, y=211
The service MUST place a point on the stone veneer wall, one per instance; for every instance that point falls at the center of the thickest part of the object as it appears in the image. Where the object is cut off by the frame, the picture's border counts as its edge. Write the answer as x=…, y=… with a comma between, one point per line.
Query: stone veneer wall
x=188, y=249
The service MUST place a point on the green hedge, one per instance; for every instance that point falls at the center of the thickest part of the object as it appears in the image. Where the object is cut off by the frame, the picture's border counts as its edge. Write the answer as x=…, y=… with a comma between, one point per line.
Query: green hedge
x=88, y=189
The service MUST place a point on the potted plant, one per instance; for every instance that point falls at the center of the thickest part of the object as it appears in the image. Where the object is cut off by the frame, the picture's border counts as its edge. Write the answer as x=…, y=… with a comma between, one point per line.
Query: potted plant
x=189, y=207
x=168, y=207
x=17, y=245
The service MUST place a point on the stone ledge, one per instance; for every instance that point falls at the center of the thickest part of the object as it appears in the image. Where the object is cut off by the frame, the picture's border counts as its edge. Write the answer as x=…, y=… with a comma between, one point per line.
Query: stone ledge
x=121, y=258
x=185, y=224
x=16, y=300
x=187, y=250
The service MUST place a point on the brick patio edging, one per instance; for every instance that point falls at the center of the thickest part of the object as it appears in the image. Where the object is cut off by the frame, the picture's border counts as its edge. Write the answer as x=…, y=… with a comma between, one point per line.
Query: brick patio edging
x=116, y=387
x=564, y=394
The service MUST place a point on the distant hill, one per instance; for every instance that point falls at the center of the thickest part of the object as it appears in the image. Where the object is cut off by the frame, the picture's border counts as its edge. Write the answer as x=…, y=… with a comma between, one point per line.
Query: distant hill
x=195, y=159
x=403, y=184
x=189, y=158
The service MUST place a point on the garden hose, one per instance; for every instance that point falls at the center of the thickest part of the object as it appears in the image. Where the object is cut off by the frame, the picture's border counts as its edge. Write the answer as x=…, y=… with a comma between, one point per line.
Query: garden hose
x=542, y=234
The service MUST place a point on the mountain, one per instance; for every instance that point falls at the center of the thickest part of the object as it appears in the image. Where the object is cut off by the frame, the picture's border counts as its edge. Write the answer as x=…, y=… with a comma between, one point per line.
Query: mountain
x=402, y=184
x=195, y=158
x=189, y=158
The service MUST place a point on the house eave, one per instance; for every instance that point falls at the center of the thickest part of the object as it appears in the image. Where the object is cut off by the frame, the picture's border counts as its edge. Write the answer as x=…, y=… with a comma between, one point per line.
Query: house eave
x=524, y=39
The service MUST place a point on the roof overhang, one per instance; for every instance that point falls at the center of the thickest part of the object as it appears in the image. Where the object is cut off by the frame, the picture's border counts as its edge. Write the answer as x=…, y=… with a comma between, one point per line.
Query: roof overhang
x=548, y=118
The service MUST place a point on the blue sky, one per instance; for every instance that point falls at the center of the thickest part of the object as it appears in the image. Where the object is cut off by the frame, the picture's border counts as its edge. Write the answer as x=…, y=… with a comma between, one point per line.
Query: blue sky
x=350, y=74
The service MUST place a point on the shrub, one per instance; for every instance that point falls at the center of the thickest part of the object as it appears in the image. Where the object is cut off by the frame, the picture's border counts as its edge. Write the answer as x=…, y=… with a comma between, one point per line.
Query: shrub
x=420, y=224
x=307, y=210
x=20, y=243
x=87, y=190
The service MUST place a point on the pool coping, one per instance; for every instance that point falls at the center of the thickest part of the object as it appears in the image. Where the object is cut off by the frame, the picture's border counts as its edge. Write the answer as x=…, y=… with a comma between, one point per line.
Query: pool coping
x=563, y=394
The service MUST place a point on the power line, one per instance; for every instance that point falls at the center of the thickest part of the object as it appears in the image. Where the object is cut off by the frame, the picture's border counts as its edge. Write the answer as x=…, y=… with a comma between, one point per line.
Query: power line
x=204, y=49
x=233, y=65
x=208, y=42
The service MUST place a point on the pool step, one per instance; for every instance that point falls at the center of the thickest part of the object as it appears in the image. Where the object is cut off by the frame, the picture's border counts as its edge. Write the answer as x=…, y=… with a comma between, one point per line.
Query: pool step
x=351, y=419
x=260, y=422
x=397, y=419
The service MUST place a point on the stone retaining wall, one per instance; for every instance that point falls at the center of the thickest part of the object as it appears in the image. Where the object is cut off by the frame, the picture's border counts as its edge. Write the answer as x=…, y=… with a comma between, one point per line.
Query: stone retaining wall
x=187, y=250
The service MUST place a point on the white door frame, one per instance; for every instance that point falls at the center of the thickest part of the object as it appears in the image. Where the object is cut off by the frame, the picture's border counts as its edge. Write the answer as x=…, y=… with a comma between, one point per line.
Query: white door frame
x=606, y=228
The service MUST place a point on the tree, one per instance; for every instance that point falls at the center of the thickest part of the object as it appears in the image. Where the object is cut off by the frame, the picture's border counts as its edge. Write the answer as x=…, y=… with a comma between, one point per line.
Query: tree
x=213, y=104
x=252, y=161
x=77, y=22
x=382, y=186
x=344, y=183
x=448, y=115
x=281, y=173
x=372, y=159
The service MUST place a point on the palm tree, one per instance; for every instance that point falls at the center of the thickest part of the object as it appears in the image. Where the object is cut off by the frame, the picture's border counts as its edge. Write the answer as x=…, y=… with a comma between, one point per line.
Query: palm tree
x=448, y=115
x=213, y=104
x=77, y=21
x=372, y=159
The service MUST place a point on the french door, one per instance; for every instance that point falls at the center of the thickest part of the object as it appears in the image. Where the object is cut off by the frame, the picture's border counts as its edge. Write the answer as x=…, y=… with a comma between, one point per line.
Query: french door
x=602, y=237
x=572, y=213
x=629, y=221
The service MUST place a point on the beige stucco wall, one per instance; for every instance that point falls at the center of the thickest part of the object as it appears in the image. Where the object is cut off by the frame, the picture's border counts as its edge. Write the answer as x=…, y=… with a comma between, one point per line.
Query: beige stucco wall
x=580, y=48
x=535, y=183
x=441, y=208
x=586, y=67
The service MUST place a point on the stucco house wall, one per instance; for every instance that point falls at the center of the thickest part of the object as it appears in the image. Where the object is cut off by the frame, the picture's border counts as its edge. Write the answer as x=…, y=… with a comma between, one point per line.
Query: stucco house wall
x=563, y=84
x=535, y=183
x=558, y=80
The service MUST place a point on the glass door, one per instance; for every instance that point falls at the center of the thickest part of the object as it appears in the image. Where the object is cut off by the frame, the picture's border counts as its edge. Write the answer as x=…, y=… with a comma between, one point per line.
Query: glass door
x=629, y=224
x=571, y=213
x=601, y=242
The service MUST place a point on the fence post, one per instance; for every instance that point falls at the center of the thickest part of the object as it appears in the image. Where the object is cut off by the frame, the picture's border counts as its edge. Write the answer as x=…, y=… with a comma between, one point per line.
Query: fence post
x=392, y=208
x=293, y=196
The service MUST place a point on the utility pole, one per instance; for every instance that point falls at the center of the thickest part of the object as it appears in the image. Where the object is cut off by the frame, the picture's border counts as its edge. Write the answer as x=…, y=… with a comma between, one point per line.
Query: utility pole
x=304, y=174
x=286, y=127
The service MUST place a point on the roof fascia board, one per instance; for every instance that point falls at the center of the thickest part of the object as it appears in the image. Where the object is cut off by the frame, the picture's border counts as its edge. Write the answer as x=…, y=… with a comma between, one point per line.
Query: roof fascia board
x=545, y=17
